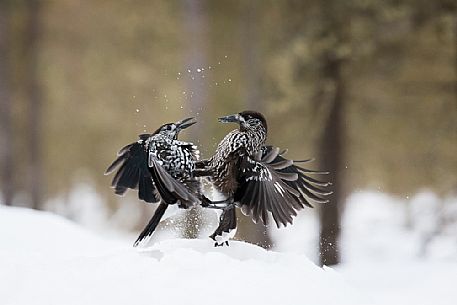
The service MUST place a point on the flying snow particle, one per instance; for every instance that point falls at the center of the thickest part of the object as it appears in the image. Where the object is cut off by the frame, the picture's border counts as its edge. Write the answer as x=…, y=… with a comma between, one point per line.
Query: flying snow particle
x=137, y=110
x=199, y=70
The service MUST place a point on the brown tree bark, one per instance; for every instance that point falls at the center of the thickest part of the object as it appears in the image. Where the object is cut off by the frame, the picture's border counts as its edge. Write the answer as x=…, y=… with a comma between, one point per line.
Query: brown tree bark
x=335, y=20
x=331, y=152
x=455, y=73
x=35, y=101
x=6, y=127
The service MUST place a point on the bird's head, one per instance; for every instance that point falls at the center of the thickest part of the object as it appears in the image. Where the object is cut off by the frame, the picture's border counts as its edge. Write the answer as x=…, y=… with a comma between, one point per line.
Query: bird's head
x=172, y=130
x=246, y=120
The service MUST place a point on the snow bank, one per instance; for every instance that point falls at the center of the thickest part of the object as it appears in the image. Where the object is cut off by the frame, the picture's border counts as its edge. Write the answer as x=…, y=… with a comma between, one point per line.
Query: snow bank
x=398, y=250
x=45, y=259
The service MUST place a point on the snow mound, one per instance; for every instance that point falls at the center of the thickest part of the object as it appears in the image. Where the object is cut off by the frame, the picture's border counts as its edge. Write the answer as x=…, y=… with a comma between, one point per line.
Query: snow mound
x=45, y=259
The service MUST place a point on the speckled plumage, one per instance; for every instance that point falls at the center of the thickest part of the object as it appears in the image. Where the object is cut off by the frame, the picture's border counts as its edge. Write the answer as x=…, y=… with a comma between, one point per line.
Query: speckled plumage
x=161, y=168
x=176, y=157
x=226, y=160
x=257, y=178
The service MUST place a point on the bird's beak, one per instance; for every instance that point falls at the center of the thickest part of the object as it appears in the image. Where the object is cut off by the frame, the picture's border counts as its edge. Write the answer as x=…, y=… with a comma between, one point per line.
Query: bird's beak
x=234, y=118
x=183, y=124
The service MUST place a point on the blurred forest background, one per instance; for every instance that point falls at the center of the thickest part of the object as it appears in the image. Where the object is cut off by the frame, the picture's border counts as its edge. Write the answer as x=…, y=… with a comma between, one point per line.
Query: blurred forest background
x=367, y=87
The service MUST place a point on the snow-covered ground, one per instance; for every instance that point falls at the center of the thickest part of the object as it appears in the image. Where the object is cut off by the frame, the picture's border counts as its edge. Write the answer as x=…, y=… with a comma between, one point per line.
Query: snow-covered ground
x=394, y=251
x=45, y=259
x=401, y=250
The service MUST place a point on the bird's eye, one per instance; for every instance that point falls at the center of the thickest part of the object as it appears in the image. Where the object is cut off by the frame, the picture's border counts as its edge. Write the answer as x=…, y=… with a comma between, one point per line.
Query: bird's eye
x=166, y=128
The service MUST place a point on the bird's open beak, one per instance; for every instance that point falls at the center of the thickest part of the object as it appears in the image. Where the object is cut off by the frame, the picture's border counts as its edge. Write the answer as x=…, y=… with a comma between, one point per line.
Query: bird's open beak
x=183, y=124
x=234, y=118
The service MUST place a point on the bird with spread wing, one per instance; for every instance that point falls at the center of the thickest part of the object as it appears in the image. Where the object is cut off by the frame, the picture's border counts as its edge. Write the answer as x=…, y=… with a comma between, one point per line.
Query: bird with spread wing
x=161, y=168
x=256, y=178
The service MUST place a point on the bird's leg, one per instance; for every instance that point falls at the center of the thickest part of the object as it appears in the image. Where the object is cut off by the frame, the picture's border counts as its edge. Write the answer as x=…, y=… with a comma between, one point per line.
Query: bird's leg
x=216, y=244
x=201, y=164
x=227, y=223
x=229, y=205
x=202, y=172
x=220, y=204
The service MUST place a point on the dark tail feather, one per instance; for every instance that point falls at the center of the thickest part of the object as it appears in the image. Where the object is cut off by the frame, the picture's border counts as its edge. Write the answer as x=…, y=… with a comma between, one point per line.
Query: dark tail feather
x=152, y=225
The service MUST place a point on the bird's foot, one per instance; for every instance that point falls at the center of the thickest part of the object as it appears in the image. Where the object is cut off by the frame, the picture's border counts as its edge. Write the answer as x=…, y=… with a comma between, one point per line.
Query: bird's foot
x=205, y=202
x=217, y=244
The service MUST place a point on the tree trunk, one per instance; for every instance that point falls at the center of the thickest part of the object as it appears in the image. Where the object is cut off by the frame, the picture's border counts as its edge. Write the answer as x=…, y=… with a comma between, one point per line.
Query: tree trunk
x=455, y=56
x=247, y=229
x=34, y=95
x=331, y=152
x=195, y=22
x=6, y=128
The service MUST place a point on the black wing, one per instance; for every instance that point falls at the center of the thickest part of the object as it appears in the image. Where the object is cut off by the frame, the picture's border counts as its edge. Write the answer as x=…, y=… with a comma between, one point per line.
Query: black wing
x=275, y=184
x=153, y=223
x=296, y=176
x=133, y=171
x=171, y=190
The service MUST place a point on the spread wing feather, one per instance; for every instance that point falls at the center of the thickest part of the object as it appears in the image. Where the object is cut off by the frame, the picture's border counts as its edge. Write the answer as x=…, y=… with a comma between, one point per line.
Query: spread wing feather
x=133, y=172
x=261, y=190
x=137, y=169
x=275, y=184
x=307, y=186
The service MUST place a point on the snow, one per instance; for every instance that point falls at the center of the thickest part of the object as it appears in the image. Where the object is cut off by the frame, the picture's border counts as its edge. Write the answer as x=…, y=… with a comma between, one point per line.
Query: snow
x=396, y=250
x=399, y=250
x=45, y=259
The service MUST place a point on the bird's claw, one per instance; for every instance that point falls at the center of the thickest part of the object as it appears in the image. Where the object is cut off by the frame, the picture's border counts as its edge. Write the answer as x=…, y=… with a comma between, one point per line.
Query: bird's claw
x=205, y=202
x=216, y=244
